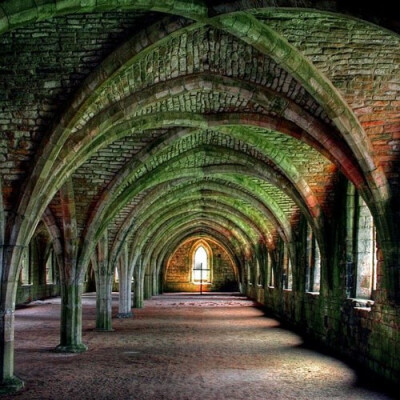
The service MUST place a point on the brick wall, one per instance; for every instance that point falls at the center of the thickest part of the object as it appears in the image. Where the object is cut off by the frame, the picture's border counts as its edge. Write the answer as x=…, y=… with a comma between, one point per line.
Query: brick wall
x=180, y=264
x=36, y=286
x=360, y=329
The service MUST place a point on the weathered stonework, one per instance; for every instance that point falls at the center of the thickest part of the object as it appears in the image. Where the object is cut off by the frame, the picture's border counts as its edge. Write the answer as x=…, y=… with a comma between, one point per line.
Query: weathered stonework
x=178, y=271
x=131, y=129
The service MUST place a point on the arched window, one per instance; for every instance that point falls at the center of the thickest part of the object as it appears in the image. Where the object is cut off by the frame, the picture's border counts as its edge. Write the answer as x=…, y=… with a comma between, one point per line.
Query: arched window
x=361, y=247
x=201, y=269
x=313, y=275
x=25, y=277
x=366, y=252
x=271, y=274
x=50, y=266
x=287, y=276
x=258, y=273
x=249, y=274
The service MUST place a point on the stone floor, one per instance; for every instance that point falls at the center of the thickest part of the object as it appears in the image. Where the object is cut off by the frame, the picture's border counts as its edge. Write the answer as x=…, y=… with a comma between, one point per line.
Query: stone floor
x=179, y=347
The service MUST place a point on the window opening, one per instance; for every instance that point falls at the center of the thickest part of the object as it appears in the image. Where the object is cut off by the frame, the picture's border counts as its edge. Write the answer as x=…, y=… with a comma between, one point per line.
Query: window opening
x=249, y=277
x=201, y=270
x=313, y=263
x=271, y=274
x=287, y=270
x=50, y=276
x=366, y=252
x=25, y=276
x=258, y=273
x=361, y=245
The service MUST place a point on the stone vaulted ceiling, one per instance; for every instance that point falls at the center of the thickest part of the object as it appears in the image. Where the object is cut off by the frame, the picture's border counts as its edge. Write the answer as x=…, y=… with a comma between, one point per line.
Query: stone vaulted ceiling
x=151, y=121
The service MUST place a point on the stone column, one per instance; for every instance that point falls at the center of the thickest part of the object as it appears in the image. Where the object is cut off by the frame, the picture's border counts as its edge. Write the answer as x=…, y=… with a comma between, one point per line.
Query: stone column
x=70, y=285
x=155, y=284
x=125, y=286
x=125, y=296
x=147, y=287
x=10, y=257
x=9, y=382
x=139, y=300
x=160, y=283
x=104, y=278
x=103, y=301
x=71, y=319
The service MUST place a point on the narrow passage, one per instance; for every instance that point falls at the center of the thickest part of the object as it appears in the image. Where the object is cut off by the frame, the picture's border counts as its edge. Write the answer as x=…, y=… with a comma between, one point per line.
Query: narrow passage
x=180, y=346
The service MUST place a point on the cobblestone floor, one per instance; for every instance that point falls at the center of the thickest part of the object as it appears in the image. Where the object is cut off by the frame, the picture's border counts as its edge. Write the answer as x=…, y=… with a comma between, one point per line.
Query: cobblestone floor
x=179, y=347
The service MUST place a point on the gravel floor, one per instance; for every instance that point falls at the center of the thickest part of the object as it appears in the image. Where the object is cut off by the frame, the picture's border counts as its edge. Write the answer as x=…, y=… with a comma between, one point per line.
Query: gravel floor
x=178, y=347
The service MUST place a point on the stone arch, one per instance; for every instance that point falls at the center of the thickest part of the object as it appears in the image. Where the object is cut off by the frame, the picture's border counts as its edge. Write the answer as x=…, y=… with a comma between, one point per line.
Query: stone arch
x=24, y=13
x=202, y=235
x=178, y=226
x=125, y=231
x=116, y=204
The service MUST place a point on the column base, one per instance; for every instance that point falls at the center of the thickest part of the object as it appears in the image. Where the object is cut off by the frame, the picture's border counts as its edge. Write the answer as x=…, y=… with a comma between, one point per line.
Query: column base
x=11, y=385
x=125, y=315
x=71, y=348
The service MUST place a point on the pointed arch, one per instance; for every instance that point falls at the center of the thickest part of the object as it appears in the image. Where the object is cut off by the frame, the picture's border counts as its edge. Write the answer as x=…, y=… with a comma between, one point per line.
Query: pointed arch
x=201, y=255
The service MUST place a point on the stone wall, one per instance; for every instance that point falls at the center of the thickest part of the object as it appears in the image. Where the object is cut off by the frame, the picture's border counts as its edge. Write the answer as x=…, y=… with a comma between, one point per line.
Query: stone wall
x=179, y=267
x=362, y=330
x=36, y=287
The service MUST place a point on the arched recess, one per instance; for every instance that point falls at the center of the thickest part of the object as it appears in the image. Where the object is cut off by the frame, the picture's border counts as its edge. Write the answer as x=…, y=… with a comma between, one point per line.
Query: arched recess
x=256, y=34
x=166, y=228
x=130, y=174
x=154, y=202
x=314, y=204
x=20, y=241
x=240, y=241
x=187, y=272
x=140, y=256
x=96, y=127
x=56, y=174
x=158, y=252
x=158, y=215
x=93, y=140
x=377, y=193
x=217, y=201
x=294, y=121
x=160, y=174
x=241, y=233
x=161, y=254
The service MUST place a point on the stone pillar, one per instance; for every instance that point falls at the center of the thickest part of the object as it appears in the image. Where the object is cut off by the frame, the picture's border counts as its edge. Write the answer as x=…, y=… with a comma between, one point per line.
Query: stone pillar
x=125, y=295
x=139, y=301
x=71, y=319
x=160, y=284
x=125, y=285
x=147, y=287
x=71, y=288
x=155, y=284
x=125, y=299
x=104, y=278
x=10, y=258
x=103, y=301
x=9, y=382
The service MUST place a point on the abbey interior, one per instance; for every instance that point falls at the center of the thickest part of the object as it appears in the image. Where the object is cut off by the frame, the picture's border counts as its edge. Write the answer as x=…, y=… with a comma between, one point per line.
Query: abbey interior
x=151, y=147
